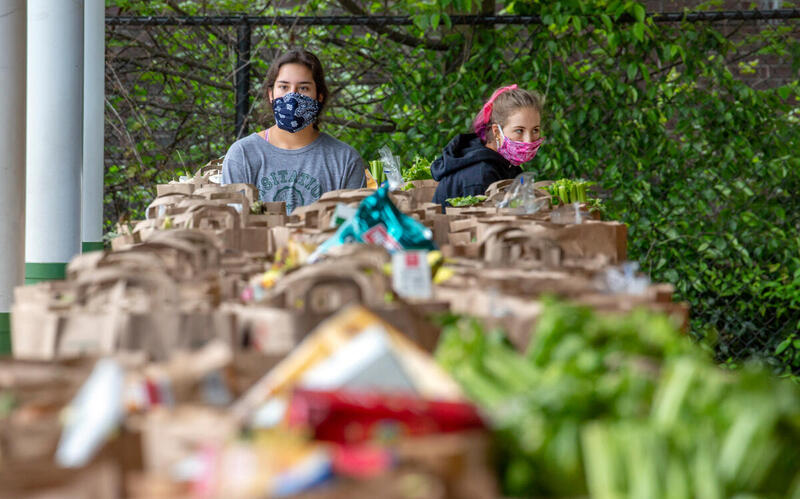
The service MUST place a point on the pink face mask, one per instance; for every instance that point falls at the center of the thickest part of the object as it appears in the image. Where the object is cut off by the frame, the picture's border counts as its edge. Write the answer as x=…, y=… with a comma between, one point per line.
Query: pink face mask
x=517, y=152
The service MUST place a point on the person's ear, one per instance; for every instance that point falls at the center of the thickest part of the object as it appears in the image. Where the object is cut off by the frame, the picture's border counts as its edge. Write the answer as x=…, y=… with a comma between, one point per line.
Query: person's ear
x=495, y=131
x=269, y=94
x=320, y=97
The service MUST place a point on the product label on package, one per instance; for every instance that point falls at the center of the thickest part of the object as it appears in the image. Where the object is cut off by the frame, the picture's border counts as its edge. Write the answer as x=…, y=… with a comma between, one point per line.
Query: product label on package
x=379, y=236
x=411, y=274
x=342, y=214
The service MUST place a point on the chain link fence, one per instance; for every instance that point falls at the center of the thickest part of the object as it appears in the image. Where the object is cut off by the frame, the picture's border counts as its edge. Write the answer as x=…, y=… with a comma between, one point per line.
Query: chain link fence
x=181, y=90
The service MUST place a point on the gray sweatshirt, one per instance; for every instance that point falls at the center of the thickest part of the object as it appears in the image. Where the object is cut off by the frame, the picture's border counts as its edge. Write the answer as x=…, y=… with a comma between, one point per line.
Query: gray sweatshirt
x=298, y=176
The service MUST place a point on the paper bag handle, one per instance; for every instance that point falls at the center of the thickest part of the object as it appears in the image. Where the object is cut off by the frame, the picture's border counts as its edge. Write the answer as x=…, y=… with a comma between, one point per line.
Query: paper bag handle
x=195, y=215
x=200, y=242
x=162, y=288
x=304, y=281
x=495, y=238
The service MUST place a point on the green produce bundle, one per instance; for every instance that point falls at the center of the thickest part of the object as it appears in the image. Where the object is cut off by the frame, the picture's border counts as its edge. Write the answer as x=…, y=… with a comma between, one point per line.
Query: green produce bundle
x=376, y=170
x=420, y=169
x=626, y=406
x=566, y=191
x=466, y=201
x=257, y=207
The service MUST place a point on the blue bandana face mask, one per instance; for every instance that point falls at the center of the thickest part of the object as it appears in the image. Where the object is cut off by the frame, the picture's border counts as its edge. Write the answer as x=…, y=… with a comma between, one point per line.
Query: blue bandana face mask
x=294, y=111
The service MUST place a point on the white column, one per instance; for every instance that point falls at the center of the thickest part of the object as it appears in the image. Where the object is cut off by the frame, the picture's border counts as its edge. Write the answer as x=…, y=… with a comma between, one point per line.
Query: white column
x=93, y=105
x=54, y=137
x=12, y=158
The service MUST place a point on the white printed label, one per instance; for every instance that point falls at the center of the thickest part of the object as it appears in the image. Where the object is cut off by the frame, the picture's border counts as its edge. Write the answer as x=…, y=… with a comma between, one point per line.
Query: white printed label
x=411, y=275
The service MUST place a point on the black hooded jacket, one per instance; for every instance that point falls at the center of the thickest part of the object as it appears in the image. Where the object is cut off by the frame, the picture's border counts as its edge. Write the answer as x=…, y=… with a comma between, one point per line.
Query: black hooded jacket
x=467, y=167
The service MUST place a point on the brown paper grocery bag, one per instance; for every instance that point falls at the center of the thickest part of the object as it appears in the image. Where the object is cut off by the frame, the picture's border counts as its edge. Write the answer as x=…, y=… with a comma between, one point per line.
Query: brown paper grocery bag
x=271, y=330
x=511, y=243
x=486, y=223
x=169, y=436
x=422, y=191
x=143, y=229
x=461, y=224
x=199, y=328
x=113, y=309
x=221, y=220
x=317, y=215
x=414, y=320
x=120, y=310
x=588, y=239
x=42, y=479
x=229, y=191
x=497, y=190
x=30, y=430
x=463, y=460
x=34, y=332
x=268, y=220
x=35, y=317
x=468, y=251
x=255, y=240
x=460, y=238
x=403, y=200
x=175, y=188
x=143, y=257
x=85, y=333
x=480, y=210
x=206, y=248
x=515, y=314
x=441, y=229
x=162, y=204
x=330, y=285
x=123, y=241
x=213, y=166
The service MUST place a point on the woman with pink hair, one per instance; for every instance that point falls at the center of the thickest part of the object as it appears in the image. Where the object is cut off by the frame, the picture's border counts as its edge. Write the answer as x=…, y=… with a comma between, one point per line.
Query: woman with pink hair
x=506, y=134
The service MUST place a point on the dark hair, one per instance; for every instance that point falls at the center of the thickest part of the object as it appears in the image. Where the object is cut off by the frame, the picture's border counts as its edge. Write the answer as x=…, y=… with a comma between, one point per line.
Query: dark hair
x=502, y=104
x=305, y=58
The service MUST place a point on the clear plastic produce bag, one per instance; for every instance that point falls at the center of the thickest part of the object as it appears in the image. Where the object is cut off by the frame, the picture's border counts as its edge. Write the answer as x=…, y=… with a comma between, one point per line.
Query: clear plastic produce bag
x=624, y=279
x=521, y=196
x=391, y=168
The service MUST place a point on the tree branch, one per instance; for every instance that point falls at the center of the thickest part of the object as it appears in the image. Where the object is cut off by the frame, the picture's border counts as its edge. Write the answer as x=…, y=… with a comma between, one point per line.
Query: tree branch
x=361, y=126
x=178, y=109
x=225, y=36
x=352, y=7
x=178, y=74
x=156, y=53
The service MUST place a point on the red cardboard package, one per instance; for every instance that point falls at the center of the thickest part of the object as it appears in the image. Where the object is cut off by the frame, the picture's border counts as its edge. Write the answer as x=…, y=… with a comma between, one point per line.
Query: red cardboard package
x=348, y=416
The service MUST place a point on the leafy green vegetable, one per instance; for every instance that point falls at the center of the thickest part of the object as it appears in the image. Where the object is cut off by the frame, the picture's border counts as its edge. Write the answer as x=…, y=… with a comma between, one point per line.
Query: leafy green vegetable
x=625, y=406
x=420, y=169
x=257, y=207
x=376, y=170
x=566, y=191
x=466, y=201
x=7, y=403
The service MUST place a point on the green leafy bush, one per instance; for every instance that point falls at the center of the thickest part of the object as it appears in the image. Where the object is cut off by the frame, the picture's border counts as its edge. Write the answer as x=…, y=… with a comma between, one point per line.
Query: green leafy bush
x=702, y=167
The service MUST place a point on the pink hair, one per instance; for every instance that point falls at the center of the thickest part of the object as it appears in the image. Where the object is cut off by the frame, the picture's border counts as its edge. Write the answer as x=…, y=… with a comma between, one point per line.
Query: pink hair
x=484, y=117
